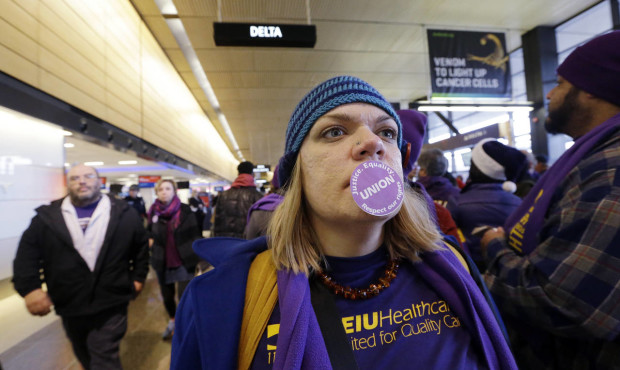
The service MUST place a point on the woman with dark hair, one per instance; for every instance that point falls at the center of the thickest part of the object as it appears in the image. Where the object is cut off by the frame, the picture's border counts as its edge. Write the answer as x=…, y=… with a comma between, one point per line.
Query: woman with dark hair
x=353, y=272
x=173, y=229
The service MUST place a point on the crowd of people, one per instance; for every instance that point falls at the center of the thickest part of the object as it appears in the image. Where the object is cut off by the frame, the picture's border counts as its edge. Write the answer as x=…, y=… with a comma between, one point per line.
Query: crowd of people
x=353, y=262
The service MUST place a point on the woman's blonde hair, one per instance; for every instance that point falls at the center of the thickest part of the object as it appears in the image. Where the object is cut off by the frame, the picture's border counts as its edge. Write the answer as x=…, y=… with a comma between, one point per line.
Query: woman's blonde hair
x=295, y=245
x=161, y=181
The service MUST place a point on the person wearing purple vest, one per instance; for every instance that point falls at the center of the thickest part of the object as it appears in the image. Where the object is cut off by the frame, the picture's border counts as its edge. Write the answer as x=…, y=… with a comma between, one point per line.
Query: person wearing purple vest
x=555, y=265
x=334, y=285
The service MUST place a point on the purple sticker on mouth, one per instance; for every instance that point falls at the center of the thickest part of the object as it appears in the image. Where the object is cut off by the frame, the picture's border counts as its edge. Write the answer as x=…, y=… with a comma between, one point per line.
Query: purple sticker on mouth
x=377, y=189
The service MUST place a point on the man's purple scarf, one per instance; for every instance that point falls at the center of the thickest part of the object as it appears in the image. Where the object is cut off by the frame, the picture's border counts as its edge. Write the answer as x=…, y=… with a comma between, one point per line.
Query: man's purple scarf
x=300, y=344
x=524, y=223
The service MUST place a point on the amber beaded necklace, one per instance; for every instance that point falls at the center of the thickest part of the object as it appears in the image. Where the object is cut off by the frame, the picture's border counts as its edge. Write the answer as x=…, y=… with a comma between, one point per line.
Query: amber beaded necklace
x=356, y=293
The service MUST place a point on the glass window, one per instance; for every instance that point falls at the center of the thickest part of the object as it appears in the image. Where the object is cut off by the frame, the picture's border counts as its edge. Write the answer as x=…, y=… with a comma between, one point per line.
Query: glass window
x=595, y=21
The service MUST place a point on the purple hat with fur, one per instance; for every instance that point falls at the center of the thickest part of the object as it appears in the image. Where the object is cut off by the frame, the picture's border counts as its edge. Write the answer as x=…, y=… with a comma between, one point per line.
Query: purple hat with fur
x=594, y=67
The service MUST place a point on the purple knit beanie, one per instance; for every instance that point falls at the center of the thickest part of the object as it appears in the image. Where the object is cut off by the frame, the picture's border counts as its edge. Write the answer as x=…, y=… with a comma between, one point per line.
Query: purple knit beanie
x=414, y=129
x=326, y=96
x=594, y=67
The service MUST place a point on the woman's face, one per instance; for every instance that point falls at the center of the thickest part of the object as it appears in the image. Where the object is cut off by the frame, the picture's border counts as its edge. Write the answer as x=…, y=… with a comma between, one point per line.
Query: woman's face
x=165, y=192
x=337, y=143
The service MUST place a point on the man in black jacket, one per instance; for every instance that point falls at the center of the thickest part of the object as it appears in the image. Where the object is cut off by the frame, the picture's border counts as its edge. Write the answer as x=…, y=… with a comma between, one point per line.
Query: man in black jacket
x=232, y=207
x=92, y=253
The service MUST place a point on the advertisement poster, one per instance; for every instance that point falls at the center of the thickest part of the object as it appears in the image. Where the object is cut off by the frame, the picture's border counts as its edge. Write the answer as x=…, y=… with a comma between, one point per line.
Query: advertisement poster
x=465, y=64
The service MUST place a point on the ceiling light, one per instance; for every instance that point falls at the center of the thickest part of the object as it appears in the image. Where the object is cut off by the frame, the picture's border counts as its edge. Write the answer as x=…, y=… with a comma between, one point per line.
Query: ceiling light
x=127, y=162
x=470, y=105
x=474, y=108
x=69, y=145
x=166, y=7
x=67, y=133
x=180, y=35
x=93, y=163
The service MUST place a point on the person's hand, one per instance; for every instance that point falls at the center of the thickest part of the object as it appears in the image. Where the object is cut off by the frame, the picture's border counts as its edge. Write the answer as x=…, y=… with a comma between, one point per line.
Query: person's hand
x=137, y=287
x=38, y=302
x=151, y=241
x=489, y=235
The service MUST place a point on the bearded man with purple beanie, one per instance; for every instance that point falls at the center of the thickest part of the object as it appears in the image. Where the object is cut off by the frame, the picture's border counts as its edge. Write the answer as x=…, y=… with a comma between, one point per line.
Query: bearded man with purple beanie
x=554, y=271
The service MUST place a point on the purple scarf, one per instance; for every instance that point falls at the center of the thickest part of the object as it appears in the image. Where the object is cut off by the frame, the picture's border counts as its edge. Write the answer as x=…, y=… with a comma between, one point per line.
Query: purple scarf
x=172, y=213
x=527, y=220
x=269, y=203
x=300, y=344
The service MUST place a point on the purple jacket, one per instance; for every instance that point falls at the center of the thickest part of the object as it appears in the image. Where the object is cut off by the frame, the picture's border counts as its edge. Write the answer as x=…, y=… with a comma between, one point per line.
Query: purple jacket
x=479, y=205
x=439, y=188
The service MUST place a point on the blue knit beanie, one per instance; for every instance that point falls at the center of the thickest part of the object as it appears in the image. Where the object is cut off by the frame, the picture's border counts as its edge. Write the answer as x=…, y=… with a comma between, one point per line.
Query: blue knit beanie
x=326, y=96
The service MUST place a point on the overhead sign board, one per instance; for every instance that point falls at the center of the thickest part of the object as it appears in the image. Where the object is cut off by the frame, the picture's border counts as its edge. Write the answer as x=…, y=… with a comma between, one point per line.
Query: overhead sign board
x=467, y=139
x=265, y=35
x=148, y=181
x=468, y=64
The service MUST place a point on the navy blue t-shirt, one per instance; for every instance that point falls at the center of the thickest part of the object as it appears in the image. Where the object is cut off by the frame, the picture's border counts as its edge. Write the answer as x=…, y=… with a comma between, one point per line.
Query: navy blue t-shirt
x=84, y=214
x=407, y=325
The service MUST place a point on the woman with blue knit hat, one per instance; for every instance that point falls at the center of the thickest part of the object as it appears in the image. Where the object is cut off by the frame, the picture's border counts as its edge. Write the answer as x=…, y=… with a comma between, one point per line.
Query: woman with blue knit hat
x=352, y=273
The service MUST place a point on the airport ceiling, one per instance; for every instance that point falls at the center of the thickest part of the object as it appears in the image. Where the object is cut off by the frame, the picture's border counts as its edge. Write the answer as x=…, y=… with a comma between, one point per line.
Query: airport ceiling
x=380, y=41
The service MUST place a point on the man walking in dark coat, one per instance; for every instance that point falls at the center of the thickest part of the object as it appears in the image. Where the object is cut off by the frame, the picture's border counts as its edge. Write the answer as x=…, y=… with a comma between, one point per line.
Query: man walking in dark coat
x=135, y=201
x=233, y=205
x=93, y=253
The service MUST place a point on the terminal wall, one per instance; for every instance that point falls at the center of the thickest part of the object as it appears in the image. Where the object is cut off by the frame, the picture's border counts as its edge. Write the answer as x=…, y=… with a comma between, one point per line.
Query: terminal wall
x=100, y=57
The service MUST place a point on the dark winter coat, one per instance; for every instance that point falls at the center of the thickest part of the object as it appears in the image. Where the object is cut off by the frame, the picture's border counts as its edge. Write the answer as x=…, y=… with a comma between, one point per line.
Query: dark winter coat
x=73, y=288
x=232, y=209
x=184, y=235
x=480, y=205
x=439, y=188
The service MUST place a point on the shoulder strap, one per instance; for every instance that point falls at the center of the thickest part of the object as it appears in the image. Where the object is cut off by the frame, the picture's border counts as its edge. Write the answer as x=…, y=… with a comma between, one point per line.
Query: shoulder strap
x=336, y=342
x=459, y=253
x=471, y=267
x=261, y=295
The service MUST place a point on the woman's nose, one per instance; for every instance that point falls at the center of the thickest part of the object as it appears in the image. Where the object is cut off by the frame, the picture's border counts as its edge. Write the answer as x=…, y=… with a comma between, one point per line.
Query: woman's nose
x=367, y=145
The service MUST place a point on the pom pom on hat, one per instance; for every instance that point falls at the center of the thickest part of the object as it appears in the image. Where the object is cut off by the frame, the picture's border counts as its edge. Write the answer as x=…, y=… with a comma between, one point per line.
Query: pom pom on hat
x=414, y=129
x=594, y=67
x=499, y=162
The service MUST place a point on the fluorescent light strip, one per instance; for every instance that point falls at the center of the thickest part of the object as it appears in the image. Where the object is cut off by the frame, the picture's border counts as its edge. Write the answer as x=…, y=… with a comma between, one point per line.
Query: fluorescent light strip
x=69, y=145
x=127, y=162
x=488, y=122
x=473, y=108
x=93, y=163
x=66, y=133
x=438, y=138
x=178, y=31
x=166, y=7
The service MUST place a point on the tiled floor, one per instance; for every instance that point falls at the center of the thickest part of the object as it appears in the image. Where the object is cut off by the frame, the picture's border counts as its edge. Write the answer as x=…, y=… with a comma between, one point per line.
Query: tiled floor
x=142, y=347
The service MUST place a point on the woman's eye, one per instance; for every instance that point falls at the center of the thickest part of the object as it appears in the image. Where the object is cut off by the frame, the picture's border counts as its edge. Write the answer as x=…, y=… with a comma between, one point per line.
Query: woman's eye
x=388, y=133
x=333, y=132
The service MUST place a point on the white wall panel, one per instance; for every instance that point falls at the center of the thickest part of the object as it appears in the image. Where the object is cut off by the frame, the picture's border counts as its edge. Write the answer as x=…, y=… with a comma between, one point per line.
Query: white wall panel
x=31, y=174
